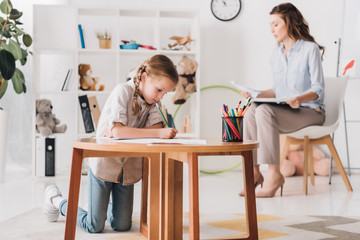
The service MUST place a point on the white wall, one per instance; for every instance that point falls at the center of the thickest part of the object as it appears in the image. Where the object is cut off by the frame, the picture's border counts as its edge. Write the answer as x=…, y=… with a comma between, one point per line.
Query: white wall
x=237, y=50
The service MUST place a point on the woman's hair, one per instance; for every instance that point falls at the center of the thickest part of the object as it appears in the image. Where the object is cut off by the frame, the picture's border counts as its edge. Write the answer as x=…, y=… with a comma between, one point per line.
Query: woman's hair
x=157, y=65
x=296, y=25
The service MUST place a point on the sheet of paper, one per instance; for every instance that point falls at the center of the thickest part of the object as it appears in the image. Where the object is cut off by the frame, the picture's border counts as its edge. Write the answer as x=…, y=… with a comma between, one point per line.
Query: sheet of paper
x=271, y=100
x=158, y=140
x=253, y=92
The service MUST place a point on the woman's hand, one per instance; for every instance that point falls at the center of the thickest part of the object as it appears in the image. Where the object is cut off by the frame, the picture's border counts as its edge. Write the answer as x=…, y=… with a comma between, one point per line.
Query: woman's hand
x=245, y=94
x=294, y=102
x=167, y=133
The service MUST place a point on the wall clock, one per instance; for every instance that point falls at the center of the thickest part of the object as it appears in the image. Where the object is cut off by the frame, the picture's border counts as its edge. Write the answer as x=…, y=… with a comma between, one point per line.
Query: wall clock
x=225, y=10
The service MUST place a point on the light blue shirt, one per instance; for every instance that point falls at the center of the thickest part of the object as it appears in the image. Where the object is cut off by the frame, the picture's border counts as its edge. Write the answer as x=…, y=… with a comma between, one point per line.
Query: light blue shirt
x=300, y=73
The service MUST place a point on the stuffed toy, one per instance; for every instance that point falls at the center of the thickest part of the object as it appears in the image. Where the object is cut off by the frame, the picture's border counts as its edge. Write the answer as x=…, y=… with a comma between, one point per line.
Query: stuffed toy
x=46, y=122
x=294, y=162
x=87, y=82
x=186, y=69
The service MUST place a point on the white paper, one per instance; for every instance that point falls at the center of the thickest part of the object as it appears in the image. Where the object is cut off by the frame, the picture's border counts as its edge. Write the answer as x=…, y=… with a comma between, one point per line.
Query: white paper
x=159, y=140
x=253, y=92
x=271, y=100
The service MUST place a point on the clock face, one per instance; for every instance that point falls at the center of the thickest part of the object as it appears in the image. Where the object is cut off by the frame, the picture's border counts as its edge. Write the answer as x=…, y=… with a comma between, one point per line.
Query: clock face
x=225, y=10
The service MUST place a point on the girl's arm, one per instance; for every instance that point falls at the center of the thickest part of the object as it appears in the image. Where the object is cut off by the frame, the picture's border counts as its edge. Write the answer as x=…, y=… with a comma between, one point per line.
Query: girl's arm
x=121, y=131
x=295, y=102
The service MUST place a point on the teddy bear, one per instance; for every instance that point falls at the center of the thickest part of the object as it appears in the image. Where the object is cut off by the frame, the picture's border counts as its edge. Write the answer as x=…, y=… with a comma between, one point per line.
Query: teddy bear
x=87, y=82
x=186, y=69
x=294, y=162
x=46, y=122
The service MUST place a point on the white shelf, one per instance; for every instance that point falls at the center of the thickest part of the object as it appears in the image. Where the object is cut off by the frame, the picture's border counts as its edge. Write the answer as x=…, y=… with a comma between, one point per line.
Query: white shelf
x=57, y=48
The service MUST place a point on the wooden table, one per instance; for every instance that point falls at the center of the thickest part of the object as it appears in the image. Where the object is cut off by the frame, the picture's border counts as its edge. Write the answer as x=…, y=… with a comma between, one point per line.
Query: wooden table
x=162, y=177
x=172, y=188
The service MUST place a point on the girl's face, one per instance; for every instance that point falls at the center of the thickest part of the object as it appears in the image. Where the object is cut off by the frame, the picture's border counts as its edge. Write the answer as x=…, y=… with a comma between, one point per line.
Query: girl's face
x=153, y=88
x=278, y=28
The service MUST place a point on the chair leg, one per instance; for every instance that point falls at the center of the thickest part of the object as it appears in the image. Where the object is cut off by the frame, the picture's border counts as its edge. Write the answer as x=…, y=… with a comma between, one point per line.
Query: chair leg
x=311, y=163
x=338, y=163
x=306, y=154
x=284, y=150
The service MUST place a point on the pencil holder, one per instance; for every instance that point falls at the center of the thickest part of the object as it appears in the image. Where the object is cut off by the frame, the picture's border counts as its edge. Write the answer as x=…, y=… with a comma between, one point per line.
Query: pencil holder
x=232, y=129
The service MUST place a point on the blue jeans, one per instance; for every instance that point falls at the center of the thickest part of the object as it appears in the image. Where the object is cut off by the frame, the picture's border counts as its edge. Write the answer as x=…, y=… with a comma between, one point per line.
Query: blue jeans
x=118, y=213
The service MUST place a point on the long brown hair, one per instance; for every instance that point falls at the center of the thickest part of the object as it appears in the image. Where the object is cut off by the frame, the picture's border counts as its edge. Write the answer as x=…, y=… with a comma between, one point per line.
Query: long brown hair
x=296, y=25
x=158, y=65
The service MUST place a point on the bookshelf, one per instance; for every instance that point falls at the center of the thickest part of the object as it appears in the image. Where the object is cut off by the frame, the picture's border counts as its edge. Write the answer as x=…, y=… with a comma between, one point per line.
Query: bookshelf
x=57, y=48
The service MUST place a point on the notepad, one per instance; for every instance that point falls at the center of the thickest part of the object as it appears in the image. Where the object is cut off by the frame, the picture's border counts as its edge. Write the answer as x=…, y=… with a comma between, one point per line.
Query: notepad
x=164, y=141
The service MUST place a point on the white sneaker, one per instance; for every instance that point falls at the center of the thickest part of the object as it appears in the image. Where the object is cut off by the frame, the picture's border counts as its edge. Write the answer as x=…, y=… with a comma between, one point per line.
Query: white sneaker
x=49, y=209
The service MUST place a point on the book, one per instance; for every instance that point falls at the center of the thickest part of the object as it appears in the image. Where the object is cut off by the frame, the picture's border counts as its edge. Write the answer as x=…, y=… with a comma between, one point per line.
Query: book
x=95, y=109
x=252, y=92
x=86, y=114
x=81, y=36
x=67, y=82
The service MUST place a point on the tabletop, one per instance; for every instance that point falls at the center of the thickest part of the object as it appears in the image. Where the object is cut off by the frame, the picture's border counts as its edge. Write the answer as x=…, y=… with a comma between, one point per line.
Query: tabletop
x=212, y=145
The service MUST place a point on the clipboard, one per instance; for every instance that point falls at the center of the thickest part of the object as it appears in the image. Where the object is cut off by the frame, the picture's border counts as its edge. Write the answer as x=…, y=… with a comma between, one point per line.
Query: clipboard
x=271, y=100
x=95, y=109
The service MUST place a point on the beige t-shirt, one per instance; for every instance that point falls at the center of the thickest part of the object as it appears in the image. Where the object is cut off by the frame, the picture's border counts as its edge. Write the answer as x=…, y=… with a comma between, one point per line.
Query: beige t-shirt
x=118, y=108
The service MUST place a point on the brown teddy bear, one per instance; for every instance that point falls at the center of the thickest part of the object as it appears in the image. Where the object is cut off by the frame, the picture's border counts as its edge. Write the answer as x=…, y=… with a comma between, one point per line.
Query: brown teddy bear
x=46, y=122
x=294, y=162
x=186, y=69
x=88, y=83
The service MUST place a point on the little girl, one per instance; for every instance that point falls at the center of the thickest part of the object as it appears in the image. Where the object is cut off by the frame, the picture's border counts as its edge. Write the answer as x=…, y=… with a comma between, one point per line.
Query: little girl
x=129, y=112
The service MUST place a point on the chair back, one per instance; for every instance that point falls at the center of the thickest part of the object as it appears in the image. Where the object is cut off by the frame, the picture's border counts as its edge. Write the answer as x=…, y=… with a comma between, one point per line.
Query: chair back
x=335, y=88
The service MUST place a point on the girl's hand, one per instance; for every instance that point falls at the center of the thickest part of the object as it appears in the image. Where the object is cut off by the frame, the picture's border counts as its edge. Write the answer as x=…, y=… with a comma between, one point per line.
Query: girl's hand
x=294, y=102
x=108, y=133
x=167, y=132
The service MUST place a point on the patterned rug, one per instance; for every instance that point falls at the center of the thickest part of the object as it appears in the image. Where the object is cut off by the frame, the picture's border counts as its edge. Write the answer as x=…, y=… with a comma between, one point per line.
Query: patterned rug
x=33, y=225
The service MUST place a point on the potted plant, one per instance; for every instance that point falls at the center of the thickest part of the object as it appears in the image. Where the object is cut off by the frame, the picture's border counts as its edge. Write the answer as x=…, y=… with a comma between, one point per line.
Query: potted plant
x=14, y=43
x=104, y=39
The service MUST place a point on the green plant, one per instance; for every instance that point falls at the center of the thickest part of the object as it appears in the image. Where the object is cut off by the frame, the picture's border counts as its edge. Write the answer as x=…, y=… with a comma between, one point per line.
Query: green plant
x=103, y=35
x=14, y=43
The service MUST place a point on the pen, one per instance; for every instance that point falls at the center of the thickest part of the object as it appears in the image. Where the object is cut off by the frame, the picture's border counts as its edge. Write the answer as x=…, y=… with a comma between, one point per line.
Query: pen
x=157, y=105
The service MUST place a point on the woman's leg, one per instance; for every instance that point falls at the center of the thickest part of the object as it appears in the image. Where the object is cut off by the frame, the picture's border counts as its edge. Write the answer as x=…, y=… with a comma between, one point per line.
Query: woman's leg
x=93, y=220
x=120, y=211
x=271, y=119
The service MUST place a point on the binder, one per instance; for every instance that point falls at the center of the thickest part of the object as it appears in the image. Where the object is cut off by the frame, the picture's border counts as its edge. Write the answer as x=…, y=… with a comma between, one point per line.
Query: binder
x=40, y=157
x=95, y=109
x=86, y=114
x=49, y=156
x=45, y=157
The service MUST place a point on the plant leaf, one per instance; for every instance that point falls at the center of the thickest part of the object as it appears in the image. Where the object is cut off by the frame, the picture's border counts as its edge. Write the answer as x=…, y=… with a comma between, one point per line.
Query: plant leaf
x=3, y=88
x=6, y=6
x=7, y=64
x=18, y=81
x=15, y=49
x=27, y=40
x=20, y=31
x=15, y=14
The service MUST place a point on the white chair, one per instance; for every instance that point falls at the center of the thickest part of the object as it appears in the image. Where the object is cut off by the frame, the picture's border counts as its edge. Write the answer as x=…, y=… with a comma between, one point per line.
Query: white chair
x=317, y=135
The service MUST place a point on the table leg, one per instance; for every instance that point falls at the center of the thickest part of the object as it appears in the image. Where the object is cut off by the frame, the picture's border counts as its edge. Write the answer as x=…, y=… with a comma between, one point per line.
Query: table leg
x=154, y=198
x=144, y=198
x=194, y=221
x=74, y=187
x=173, y=199
x=250, y=200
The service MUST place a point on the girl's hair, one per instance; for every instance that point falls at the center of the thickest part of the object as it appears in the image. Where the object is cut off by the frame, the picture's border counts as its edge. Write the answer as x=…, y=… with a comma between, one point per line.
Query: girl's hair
x=158, y=65
x=296, y=25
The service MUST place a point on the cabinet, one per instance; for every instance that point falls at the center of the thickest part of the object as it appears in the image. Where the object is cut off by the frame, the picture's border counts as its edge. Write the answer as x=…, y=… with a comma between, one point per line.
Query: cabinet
x=57, y=49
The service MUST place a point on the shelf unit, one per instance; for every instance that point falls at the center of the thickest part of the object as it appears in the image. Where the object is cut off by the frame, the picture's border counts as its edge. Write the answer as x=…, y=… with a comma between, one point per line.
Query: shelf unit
x=57, y=48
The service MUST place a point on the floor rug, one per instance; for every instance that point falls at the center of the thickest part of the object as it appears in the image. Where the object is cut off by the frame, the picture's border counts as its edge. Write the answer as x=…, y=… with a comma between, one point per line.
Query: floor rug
x=33, y=225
